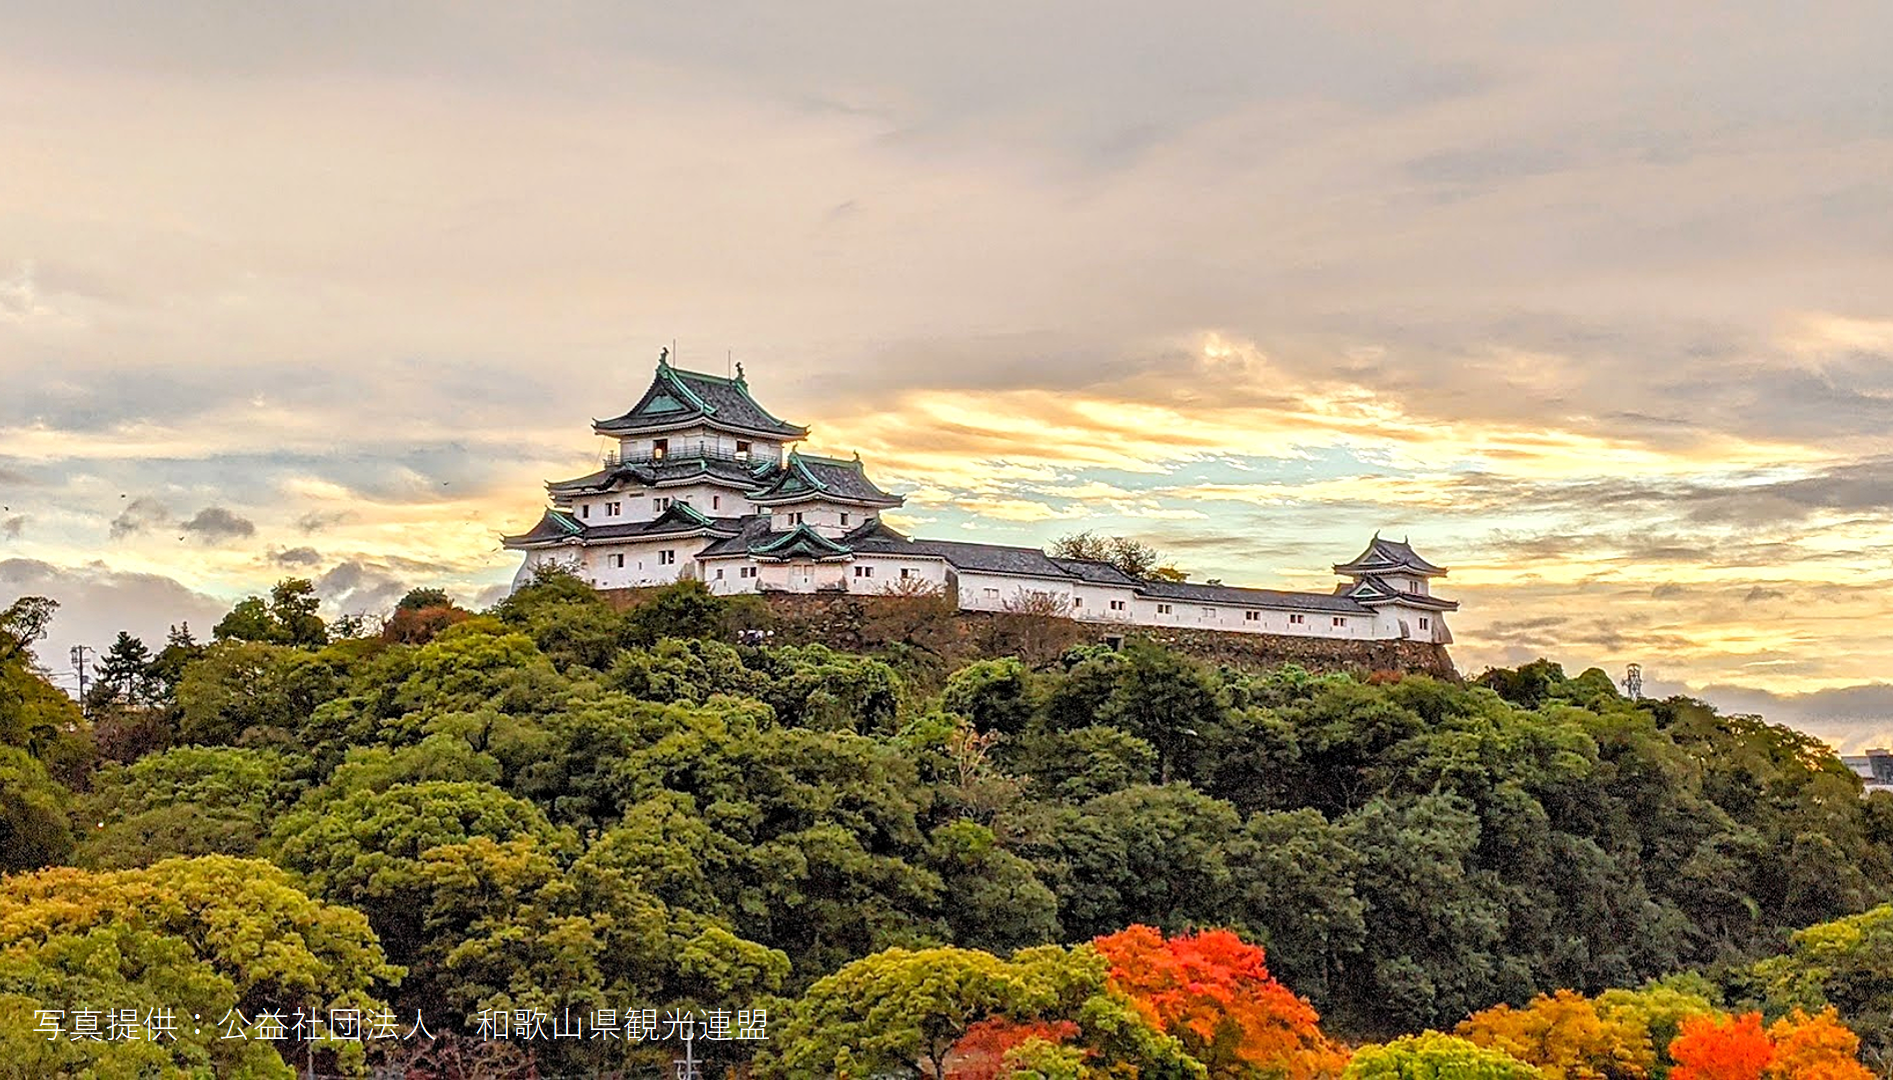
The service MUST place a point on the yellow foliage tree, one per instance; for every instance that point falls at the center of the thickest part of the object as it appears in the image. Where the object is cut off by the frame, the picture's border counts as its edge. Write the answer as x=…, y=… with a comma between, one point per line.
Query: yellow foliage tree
x=1566, y=1037
x=1815, y=1048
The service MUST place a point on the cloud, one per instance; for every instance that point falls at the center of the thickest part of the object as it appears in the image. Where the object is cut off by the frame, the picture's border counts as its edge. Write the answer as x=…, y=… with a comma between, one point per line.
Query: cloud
x=318, y=520
x=297, y=556
x=359, y=586
x=13, y=526
x=214, y=524
x=95, y=603
x=1852, y=718
x=140, y=515
x=1394, y=280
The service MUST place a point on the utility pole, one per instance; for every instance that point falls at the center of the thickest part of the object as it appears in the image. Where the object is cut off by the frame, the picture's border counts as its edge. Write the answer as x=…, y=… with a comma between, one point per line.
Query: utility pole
x=78, y=665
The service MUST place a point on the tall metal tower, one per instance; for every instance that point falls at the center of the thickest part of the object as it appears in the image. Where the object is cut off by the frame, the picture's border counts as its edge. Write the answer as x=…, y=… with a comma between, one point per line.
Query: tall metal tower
x=1633, y=682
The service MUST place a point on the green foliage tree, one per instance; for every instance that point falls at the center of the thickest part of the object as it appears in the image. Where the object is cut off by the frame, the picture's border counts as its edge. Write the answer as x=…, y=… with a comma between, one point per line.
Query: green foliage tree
x=207, y=941
x=288, y=617
x=186, y=801
x=1433, y=1056
x=251, y=689
x=33, y=829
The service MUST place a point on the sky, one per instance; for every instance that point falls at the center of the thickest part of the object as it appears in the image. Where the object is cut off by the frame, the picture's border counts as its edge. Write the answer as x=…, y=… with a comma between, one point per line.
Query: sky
x=1594, y=303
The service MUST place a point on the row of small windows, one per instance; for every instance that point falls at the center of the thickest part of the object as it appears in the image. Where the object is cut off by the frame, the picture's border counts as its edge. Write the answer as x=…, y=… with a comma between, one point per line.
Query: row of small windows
x=666, y=557
x=1247, y=616
x=660, y=449
x=661, y=504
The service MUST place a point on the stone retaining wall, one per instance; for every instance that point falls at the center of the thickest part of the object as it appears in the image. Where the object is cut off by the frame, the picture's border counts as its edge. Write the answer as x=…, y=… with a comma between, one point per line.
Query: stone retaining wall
x=854, y=622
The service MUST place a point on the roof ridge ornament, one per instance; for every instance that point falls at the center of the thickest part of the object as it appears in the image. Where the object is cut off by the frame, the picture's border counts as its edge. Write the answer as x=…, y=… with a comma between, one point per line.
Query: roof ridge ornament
x=663, y=357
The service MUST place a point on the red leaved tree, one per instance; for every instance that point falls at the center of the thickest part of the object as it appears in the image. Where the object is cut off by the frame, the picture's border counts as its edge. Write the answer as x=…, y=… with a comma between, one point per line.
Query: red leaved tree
x=981, y=1052
x=1721, y=1048
x=1212, y=991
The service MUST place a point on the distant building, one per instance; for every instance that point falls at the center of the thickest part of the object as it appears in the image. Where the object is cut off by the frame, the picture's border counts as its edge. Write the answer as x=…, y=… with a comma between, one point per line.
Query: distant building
x=1875, y=767
x=705, y=483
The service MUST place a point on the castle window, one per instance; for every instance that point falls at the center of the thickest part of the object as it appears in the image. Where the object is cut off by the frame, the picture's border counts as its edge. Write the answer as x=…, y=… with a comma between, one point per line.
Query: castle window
x=844, y=517
x=746, y=571
x=1340, y=620
x=1077, y=601
x=1413, y=586
x=614, y=509
x=659, y=448
x=992, y=594
x=1425, y=623
x=1296, y=620
x=1117, y=605
x=1251, y=616
x=660, y=505
x=719, y=573
x=618, y=561
x=1209, y=613
x=864, y=571
x=742, y=450
x=795, y=518
x=667, y=557
x=907, y=572
x=716, y=502
x=584, y=510
x=1163, y=609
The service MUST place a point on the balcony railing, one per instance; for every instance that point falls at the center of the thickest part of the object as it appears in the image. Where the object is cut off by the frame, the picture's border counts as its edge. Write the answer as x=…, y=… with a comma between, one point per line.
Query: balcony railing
x=612, y=458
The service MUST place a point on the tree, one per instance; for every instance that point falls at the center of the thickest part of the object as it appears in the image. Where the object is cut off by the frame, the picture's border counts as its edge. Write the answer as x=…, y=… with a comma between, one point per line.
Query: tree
x=422, y=599
x=1527, y=686
x=288, y=617
x=191, y=800
x=125, y=670
x=1566, y=1035
x=421, y=615
x=686, y=609
x=996, y=695
x=368, y=849
x=1721, y=1048
x=996, y=902
x=1846, y=964
x=1815, y=1048
x=908, y=1013
x=1433, y=1056
x=33, y=830
x=292, y=608
x=1299, y=897
x=1132, y=557
x=1156, y=855
x=1213, y=991
x=242, y=686
x=1168, y=701
x=200, y=941
x=898, y=1012
x=22, y=623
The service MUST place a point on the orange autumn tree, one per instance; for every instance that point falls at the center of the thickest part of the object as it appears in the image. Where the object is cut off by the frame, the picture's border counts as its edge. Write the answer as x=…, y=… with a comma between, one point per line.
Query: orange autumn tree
x=1815, y=1048
x=1722, y=1048
x=1567, y=1038
x=1213, y=992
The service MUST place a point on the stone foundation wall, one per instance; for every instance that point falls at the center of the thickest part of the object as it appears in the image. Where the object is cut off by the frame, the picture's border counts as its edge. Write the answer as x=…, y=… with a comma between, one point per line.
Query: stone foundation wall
x=1259, y=651
x=854, y=622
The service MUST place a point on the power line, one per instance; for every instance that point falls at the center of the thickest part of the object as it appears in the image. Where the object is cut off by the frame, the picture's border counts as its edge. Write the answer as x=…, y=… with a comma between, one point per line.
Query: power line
x=78, y=664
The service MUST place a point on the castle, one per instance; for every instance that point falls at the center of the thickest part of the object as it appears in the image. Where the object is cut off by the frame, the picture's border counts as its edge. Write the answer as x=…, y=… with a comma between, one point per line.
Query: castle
x=705, y=483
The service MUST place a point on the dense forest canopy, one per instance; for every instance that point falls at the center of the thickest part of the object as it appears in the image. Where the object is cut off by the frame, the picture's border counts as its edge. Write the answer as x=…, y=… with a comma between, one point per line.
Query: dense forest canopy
x=1043, y=860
